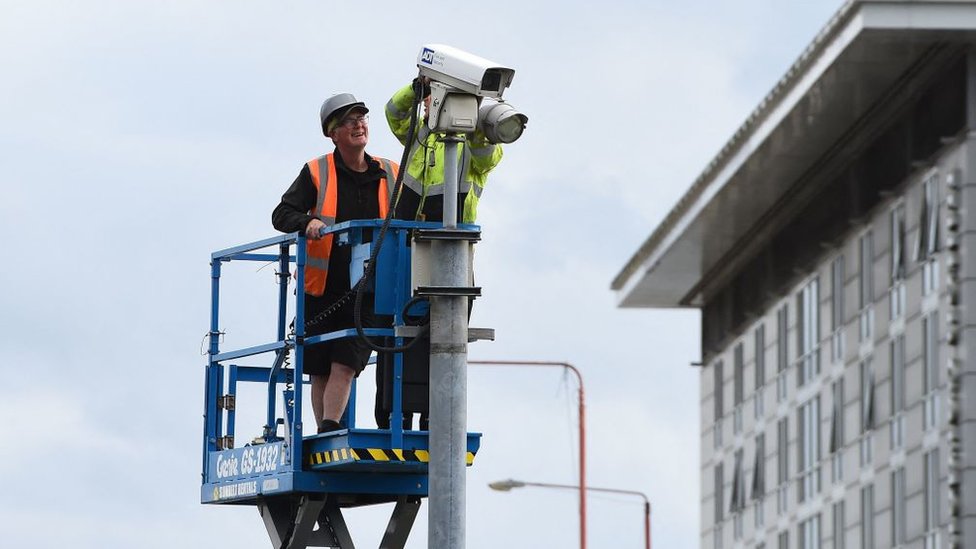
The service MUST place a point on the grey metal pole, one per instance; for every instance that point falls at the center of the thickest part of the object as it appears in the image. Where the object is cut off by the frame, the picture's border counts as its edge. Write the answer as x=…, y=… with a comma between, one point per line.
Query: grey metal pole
x=450, y=180
x=448, y=374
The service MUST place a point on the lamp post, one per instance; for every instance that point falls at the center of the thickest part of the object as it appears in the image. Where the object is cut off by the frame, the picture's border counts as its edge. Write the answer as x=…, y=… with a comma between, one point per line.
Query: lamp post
x=506, y=485
x=582, y=428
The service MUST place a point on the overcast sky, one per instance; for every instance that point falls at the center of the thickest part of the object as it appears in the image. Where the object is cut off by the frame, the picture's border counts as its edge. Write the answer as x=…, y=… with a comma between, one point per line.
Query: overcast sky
x=137, y=137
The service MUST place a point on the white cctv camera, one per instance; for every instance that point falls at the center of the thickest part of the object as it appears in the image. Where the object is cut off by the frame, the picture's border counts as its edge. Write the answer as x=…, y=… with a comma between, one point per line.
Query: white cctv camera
x=466, y=72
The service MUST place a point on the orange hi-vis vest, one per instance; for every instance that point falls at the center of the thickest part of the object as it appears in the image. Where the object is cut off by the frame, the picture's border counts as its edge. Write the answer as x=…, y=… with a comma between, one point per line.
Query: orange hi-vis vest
x=323, y=170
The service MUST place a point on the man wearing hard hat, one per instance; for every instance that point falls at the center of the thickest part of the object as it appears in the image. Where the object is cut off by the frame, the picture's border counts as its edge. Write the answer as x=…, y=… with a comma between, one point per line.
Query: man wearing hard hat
x=423, y=184
x=422, y=199
x=343, y=185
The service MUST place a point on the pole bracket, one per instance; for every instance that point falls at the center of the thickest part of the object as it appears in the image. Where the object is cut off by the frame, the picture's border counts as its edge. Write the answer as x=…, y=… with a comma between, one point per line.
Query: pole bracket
x=448, y=291
x=474, y=334
x=427, y=235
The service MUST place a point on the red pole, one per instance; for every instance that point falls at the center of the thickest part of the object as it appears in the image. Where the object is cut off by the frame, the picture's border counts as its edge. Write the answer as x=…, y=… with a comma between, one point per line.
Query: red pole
x=582, y=429
x=582, y=458
x=647, y=525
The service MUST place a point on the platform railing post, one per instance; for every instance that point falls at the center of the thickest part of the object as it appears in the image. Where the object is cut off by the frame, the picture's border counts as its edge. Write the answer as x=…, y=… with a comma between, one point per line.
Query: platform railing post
x=401, y=294
x=396, y=409
x=212, y=390
x=296, y=447
x=232, y=391
x=349, y=414
x=283, y=276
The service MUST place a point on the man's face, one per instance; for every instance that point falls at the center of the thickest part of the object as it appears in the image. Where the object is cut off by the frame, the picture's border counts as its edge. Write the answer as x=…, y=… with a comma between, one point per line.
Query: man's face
x=352, y=131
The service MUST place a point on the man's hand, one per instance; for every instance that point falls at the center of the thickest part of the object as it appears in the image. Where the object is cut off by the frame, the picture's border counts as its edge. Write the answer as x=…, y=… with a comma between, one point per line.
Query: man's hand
x=421, y=87
x=313, y=229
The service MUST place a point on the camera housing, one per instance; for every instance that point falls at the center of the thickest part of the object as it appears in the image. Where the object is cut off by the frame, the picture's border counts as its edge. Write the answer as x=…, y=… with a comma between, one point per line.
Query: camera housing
x=452, y=110
x=464, y=71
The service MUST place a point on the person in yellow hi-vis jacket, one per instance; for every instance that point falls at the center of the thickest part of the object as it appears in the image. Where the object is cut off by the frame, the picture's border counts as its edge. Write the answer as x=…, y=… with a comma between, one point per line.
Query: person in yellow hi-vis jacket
x=422, y=198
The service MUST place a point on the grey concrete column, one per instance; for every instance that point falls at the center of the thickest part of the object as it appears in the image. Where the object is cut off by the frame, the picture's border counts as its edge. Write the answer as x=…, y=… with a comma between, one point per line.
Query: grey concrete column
x=448, y=375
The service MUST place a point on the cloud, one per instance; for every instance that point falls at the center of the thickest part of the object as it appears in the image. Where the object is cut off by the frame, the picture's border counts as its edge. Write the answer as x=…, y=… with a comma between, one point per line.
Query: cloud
x=56, y=411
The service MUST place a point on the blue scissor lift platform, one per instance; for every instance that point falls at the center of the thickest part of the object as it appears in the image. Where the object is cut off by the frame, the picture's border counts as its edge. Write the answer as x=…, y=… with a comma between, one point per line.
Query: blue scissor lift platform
x=298, y=481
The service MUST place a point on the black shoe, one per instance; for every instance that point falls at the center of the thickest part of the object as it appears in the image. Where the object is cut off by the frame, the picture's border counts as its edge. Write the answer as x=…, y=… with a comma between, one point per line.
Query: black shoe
x=327, y=426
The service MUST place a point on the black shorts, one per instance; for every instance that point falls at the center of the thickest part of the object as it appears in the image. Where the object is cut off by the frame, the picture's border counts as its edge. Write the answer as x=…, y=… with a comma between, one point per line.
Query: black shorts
x=351, y=351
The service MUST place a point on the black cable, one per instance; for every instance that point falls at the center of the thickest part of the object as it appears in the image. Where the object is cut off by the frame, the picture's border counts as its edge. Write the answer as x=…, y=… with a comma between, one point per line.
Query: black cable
x=378, y=241
x=425, y=319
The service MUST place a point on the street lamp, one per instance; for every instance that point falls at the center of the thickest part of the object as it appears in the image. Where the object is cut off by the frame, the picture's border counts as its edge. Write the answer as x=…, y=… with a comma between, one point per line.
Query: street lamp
x=582, y=428
x=506, y=485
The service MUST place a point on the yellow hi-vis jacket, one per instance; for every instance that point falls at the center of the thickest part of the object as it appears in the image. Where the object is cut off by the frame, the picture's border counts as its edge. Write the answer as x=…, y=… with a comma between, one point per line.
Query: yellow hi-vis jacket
x=477, y=155
x=323, y=170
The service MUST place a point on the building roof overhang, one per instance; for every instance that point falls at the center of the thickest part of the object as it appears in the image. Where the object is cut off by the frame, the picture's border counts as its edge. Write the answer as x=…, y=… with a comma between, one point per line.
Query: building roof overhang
x=861, y=54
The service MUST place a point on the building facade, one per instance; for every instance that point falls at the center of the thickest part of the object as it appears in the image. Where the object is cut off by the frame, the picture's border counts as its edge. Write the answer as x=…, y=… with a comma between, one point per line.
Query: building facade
x=825, y=419
x=831, y=247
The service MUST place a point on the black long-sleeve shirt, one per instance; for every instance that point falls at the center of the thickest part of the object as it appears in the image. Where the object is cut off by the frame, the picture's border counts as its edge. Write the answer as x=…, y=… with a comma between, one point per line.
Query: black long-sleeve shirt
x=356, y=198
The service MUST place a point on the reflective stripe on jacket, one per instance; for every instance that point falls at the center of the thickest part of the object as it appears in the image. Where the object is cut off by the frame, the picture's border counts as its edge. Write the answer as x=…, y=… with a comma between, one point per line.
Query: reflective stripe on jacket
x=425, y=172
x=323, y=170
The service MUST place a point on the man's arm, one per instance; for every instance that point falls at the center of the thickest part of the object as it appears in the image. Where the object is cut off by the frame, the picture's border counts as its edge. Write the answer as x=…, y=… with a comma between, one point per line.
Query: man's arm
x=398, y=112
x=484, y=155
x=292, y=213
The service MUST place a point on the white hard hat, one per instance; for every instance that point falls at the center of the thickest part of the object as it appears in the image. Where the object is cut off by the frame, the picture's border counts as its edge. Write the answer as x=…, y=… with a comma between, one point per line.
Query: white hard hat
x=336, y=107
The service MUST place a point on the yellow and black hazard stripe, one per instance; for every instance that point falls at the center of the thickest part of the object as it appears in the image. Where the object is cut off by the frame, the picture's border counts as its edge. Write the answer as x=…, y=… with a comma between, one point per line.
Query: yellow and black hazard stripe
x=346, y=455
x=341, y=455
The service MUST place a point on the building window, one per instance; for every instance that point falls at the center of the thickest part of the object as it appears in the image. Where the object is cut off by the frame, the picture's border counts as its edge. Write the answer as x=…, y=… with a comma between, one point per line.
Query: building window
x=865, y=278
x=808, y=332
x=782, y=356
x=738, y=389
x=738, y=501
x=898, y=506
x=808, y=449
x=719, y=494
x=782, y=464
x=930, y=368
x=867, y=411
x=867, y=516
x=760, y=341
x=837, y=309
x=759, y=479
x=719, y=405
x=896, y=293
x=838, y=525
x=897, y=391
x=784, y=540
x=809, y=533
x=927, y=243
x=837, y=430
x=867, y=395
x=931, y=509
